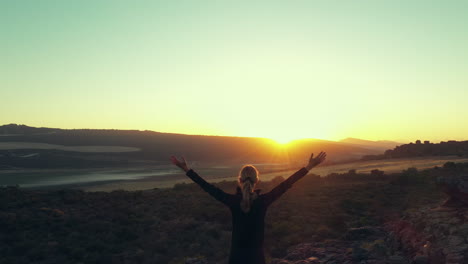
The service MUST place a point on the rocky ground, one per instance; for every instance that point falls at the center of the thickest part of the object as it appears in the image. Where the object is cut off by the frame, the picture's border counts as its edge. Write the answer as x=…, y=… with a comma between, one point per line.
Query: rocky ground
x=433, y=235
x=370, y=245
x=344, y=218
x=425, y=236
x=359, y=245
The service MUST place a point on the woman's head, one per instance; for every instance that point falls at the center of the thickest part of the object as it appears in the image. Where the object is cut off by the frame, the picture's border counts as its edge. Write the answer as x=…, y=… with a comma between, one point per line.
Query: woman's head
x=248, y=173
x=248, y=178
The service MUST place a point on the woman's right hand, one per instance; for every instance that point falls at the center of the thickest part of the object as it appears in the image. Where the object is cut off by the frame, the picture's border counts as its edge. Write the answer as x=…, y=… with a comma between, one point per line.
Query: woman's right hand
x=317, y=160
x=180, y=163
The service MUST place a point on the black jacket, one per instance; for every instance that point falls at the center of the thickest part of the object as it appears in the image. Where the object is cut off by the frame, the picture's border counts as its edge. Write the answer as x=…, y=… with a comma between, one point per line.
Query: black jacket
x=247, y=228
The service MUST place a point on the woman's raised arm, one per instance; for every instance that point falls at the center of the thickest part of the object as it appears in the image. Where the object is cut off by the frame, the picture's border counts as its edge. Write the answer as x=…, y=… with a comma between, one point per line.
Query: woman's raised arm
x=281, y=188
x=214, y=191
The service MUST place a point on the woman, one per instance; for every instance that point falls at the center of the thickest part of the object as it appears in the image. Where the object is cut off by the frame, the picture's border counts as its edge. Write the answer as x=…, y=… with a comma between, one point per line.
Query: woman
x=248, y=207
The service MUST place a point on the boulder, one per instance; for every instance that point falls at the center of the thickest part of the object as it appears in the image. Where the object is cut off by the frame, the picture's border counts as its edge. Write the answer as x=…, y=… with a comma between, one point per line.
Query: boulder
x=455, y=185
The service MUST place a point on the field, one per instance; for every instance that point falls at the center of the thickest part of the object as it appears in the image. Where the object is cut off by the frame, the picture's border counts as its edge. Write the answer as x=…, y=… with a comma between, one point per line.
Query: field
x=31, y=146
x=389, y=166
x=164, y=176
x=169, y=225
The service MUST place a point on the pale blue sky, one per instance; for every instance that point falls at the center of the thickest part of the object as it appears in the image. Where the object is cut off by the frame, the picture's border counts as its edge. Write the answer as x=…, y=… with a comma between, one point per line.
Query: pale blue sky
x=281, y=69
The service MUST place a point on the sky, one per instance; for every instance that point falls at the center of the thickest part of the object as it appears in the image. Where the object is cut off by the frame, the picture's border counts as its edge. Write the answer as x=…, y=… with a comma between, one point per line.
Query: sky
x=393, y=70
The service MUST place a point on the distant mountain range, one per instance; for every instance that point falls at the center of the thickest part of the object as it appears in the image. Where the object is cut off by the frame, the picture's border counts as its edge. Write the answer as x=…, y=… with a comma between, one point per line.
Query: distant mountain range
x=23, y=146
x=380, y=144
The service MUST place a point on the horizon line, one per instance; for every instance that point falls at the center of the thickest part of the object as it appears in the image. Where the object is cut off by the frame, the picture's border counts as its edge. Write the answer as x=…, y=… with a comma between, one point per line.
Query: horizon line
x=214, y=135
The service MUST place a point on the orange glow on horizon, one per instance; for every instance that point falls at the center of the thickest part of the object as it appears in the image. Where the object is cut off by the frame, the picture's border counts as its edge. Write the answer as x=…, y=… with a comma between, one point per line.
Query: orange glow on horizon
x=283, y=140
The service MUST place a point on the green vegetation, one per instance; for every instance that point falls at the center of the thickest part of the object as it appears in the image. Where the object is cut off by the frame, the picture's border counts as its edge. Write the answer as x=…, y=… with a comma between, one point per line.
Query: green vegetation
x=167, y=225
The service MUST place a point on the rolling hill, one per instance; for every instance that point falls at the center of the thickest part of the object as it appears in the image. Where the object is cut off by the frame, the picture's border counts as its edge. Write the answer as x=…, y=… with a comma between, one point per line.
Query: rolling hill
x=20, y=148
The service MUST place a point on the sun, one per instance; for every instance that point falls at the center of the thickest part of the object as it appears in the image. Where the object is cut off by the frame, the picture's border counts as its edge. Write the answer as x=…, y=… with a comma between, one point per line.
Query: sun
x=283, y=140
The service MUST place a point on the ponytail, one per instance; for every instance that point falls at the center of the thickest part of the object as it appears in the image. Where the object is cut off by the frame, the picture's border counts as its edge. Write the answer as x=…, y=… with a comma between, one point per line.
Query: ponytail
x=248, y=178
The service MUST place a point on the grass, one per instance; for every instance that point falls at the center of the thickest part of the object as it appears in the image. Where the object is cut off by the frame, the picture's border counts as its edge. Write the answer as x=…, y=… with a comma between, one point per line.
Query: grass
x=168, y=225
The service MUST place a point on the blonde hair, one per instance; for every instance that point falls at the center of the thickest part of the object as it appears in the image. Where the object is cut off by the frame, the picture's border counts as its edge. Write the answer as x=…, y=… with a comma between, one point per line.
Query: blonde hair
x=248, y=178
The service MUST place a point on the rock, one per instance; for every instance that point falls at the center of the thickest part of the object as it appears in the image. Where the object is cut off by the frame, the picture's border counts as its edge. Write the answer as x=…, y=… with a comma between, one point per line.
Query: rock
x=396, y=260
x=455, y=185
x=52, y=243
x=363, y=233
x=311, y=260
x=420, y=259
x=455, y=240
x=433, y=236
x=140, y=252
x=455, y=258
x=329, y=252
x=300, y=251
x=377, y=249
x=195, y=261
x=360, y=254
x=279, y=261
x=367, y=245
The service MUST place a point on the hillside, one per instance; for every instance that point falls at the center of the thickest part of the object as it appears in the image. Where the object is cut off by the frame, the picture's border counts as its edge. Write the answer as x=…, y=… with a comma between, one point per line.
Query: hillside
x=424, y=149
x=14, y=129
x=153, y=148
x=379, y=144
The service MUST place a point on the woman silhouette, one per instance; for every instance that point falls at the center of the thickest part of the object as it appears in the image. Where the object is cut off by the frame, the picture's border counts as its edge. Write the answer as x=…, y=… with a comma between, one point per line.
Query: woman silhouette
x=248, y=207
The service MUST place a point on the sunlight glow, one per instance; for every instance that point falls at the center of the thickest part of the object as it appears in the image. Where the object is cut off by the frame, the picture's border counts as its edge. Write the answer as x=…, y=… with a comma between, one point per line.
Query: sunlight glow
x=283, y=140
